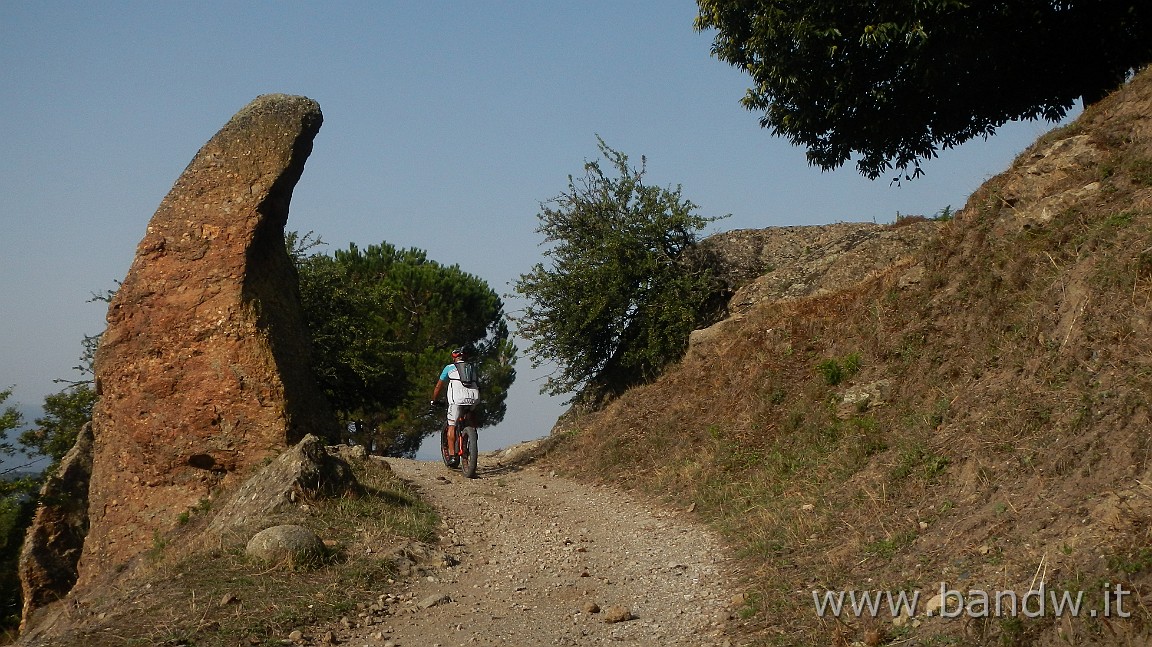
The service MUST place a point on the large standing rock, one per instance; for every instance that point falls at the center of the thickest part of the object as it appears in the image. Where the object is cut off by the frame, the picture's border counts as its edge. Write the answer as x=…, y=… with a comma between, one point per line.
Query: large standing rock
x=203, y=371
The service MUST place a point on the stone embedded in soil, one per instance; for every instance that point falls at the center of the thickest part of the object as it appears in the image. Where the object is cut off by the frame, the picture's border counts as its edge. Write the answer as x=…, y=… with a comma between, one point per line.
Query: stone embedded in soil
x=433, y=601
x=618, y=613
x=286, y=543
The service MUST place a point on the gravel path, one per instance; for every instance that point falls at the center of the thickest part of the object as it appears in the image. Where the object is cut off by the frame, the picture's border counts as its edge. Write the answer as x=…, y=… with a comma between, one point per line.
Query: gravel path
x=532, y=559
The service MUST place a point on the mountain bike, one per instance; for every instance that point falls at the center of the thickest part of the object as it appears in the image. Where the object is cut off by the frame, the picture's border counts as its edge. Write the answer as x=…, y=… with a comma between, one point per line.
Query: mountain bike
x=466, y=445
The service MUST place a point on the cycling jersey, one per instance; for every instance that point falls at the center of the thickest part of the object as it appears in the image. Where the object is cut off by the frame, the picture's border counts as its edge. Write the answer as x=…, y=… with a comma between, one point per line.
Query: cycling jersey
x=457, y=392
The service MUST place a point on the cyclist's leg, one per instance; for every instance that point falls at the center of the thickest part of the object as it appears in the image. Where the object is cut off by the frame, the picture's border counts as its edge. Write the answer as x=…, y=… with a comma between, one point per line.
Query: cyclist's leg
x=463, y=419
x=453, y=444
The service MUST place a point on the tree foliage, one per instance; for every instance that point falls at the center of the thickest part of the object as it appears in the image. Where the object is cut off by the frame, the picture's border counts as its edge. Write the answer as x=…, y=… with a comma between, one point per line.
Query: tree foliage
x=10, y=420
x=64, y=414
x=15, y=517
x=383, y=321
x=894, y=82
x=615, y=302
x=53, y=435
x=16, y=507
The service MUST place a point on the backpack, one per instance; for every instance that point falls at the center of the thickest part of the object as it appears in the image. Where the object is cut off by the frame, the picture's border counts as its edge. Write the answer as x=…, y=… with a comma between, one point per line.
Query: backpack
x=468, y=377
x=468, y=393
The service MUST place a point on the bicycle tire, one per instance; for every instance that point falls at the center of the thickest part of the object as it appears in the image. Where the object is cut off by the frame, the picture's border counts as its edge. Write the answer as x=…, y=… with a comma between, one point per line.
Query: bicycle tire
x=471, y=451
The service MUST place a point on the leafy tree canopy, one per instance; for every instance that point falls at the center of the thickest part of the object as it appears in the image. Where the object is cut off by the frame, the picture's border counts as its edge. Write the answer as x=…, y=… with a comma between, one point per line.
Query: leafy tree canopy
x=383, y=321
x=55, y=433
x=615, y=301
x=16, y=506
x=894, y=82
x=10, y=420
x=64, y=414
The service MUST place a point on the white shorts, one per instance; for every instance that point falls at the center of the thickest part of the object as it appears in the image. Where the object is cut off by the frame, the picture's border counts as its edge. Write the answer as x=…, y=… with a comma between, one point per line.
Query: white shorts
x=455, y=411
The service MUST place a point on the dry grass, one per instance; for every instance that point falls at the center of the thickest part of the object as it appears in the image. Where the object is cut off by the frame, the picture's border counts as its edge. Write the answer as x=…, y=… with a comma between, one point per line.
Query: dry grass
x=220, y=597
x=1013, y=443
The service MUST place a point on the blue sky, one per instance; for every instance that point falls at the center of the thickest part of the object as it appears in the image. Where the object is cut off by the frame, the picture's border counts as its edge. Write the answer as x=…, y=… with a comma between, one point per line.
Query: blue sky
x=446, y=125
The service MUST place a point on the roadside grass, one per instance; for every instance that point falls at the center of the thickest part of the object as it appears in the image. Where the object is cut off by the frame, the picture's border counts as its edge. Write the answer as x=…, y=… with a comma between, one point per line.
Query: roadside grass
x=217, y=597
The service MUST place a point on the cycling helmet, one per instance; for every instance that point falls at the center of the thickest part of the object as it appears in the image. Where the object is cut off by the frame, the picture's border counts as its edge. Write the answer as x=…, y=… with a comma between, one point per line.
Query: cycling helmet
x=458, y=353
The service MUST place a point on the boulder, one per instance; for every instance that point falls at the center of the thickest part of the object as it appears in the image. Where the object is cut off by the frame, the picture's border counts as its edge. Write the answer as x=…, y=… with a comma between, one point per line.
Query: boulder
x=203, y=370
x=863, y=397
x=618, y=613
x=274, y=493
x=289, y=544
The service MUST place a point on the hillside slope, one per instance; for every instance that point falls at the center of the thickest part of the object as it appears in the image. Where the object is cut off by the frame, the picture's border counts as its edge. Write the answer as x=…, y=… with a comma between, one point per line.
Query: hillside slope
x=977, y=416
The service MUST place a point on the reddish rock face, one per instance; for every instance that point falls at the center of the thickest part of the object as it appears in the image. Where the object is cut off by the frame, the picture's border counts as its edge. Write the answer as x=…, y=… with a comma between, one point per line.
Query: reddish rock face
x=203, y=370
x=52, y=546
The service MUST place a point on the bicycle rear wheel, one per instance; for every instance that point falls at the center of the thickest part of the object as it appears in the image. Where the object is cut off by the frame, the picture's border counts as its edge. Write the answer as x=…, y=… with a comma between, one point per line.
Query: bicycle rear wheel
x=471, y=451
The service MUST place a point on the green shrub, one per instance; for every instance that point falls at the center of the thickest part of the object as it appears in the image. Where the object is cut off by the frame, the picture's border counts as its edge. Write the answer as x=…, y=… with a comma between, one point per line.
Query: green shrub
x=15, y=517
x=835, y=371
x=832, y=371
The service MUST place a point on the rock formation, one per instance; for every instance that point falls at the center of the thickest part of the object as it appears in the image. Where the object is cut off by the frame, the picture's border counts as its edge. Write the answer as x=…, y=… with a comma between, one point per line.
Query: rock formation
x=273, y=495
x=753, y=266
x=202, y=372
x=52, y=547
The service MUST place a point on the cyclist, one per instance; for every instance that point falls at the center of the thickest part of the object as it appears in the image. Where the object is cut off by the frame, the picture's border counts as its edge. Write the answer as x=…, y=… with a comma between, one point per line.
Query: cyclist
x=463, y=393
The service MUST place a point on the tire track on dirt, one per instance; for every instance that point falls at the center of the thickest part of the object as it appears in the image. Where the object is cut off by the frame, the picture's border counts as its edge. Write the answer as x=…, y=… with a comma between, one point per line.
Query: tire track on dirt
x=541, y=560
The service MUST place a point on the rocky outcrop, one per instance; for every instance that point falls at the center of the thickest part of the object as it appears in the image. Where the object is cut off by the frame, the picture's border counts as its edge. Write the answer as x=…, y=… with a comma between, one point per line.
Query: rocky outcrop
x=202, y=373
x=271, y=516
x=274, y=494
x=754, y=266
x=52, y=546
x=788, y=262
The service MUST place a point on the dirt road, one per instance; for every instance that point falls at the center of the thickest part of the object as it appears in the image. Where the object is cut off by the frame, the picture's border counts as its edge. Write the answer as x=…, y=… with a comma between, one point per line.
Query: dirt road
x=533, y=559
